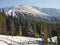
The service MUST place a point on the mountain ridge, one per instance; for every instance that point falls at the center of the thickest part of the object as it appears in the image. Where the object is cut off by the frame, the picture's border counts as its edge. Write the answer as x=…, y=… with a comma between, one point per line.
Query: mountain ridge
x=51, y=11
x=29, y=9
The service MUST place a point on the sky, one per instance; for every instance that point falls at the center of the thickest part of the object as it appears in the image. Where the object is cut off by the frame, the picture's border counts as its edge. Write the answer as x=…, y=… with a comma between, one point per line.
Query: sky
x=37, y=3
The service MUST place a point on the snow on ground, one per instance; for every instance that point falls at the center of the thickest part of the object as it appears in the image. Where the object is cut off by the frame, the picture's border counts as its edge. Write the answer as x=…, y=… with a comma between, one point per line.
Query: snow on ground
x=17, y=40
x=20, y=40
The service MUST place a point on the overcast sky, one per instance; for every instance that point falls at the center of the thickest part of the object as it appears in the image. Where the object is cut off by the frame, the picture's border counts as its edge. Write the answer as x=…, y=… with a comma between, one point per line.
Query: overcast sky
x=38, y=3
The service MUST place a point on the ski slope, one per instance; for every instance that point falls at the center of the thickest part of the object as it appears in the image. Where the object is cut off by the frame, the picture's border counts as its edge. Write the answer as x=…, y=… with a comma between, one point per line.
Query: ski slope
x=20, y=40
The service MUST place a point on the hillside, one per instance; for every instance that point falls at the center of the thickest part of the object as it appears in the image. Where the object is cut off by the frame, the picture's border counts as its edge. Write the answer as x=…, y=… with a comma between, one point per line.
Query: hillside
x=50, y=11
x=28, y=10
x=27, y=21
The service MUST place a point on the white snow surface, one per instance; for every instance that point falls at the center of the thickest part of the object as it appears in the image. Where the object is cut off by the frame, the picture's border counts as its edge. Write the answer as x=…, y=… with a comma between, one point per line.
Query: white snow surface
x=18, y=40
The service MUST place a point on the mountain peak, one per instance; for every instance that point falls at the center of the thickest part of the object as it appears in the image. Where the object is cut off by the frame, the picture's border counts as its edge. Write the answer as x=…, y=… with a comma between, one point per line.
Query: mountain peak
x=28, y=9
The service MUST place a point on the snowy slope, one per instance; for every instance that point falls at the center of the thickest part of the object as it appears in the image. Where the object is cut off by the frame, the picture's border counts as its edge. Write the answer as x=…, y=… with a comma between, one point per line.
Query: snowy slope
x=19, y=40
x=28, y=9
x=50, y=11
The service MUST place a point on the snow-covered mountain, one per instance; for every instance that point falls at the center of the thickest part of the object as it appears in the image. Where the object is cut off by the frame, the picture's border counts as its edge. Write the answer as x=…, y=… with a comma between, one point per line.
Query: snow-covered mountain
x=29, y=10
x=50, y=11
